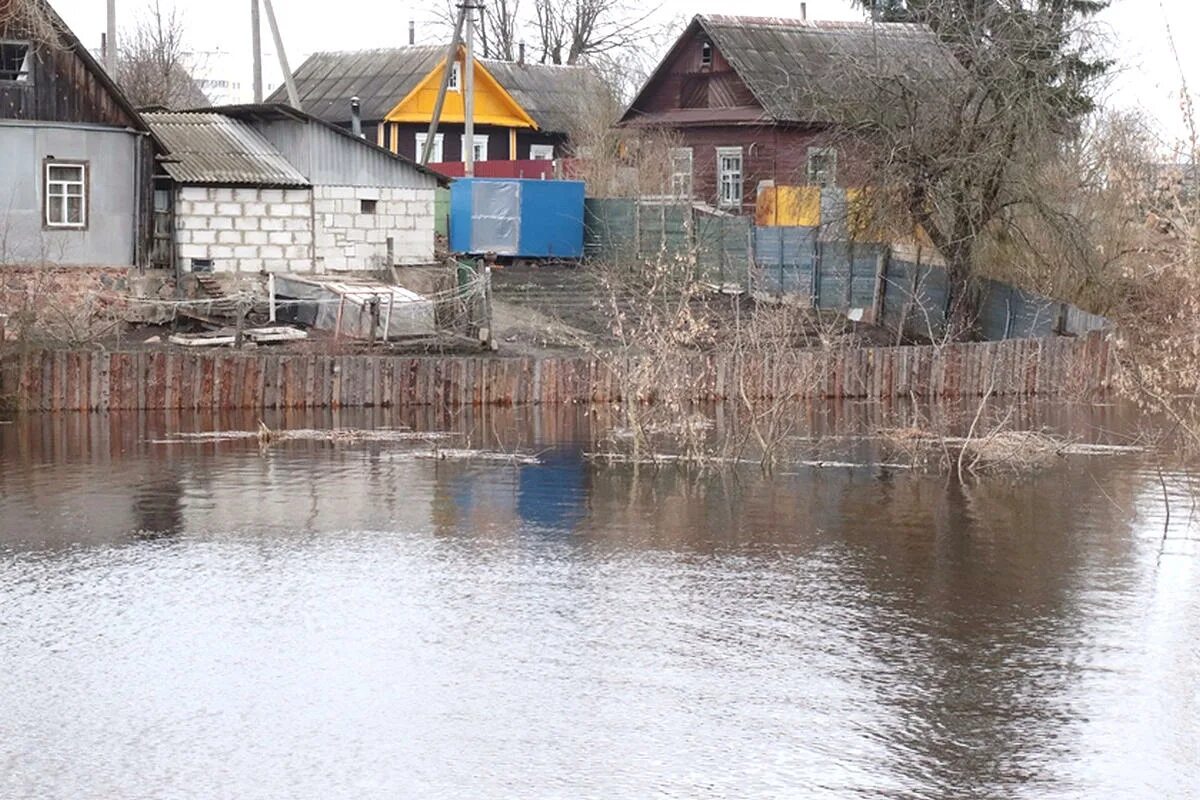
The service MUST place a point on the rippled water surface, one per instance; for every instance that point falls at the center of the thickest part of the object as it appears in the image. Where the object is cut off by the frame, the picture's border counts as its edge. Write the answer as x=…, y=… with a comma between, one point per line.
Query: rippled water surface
x=327, y=620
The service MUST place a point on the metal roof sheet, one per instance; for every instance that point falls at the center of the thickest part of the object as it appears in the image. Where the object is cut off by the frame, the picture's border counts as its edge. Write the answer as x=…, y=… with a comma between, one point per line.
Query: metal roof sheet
x=551, y=94
x=215, y=149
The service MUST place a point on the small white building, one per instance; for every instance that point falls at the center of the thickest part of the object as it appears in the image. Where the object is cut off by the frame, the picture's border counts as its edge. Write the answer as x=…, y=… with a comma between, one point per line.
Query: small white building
x=267, y=188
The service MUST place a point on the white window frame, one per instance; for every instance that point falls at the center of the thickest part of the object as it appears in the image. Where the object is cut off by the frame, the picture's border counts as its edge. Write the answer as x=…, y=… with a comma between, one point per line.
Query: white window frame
x=455, y=84
x=729, y=191
x=62, y=188
x=681, y=178
x=817, y=177
x=435, y=155
x=706, y=55
x=26, y=63
x=481, y=143
x=541, y=152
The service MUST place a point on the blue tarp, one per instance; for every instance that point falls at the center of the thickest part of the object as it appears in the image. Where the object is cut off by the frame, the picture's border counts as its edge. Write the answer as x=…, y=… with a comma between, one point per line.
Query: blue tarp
x=517, y=217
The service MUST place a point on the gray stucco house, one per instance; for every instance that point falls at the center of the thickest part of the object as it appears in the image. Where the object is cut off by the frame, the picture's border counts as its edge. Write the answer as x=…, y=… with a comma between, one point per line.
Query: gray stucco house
x=76, y=159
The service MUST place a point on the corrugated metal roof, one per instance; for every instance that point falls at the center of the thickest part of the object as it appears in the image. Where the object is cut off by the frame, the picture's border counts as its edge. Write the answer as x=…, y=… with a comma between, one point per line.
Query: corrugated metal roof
x=552, y=95
x=214, y=149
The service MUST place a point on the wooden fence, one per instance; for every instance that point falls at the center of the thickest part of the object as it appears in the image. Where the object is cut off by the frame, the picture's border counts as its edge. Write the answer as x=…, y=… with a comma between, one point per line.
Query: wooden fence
x=87, y=380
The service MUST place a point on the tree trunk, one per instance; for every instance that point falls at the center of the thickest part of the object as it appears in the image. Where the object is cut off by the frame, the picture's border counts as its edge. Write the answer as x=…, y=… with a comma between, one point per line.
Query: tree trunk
x=962, y=302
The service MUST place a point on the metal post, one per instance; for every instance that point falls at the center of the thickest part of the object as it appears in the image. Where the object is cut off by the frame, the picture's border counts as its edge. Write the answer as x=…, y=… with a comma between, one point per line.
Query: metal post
x=256, y=50
x=293, y=96
x=110, y=40
x=271, y=294
x=451, y=57
x=469, y=95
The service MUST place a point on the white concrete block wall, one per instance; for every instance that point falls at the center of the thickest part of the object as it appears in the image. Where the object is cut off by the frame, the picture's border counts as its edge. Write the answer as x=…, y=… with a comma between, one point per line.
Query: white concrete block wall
x=245, y=229
x=348, y=239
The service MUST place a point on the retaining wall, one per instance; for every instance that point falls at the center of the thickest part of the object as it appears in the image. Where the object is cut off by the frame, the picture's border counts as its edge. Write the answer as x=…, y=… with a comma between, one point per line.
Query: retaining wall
x=57, y=380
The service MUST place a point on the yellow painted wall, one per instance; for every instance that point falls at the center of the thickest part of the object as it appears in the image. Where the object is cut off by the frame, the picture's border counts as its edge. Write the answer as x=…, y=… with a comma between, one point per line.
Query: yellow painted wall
x=788, y=205
x=493, y=105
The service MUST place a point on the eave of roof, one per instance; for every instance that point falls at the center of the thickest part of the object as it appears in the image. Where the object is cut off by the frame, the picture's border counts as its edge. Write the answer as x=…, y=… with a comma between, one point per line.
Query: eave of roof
x=282, y=111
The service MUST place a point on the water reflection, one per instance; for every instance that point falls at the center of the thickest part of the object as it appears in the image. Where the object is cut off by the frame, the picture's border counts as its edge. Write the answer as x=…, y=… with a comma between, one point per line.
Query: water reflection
x=315, y=620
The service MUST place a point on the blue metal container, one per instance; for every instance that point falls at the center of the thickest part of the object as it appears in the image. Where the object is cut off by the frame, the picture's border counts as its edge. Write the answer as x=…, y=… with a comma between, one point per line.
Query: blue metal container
x=517, y=217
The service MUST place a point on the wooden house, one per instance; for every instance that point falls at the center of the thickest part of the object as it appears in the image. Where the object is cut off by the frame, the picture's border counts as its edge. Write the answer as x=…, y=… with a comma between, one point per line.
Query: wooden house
x=753, y=101
x=76, y=159
x=522, y=111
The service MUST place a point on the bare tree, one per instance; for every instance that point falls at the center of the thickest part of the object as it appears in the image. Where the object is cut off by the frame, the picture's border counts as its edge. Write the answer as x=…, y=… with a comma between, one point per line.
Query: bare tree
x=957, y=144
x=572, y=30
x=154, y=68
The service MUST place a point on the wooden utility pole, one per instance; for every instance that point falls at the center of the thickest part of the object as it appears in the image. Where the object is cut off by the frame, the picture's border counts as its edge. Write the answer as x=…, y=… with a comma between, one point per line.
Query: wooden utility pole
x=110, y=40
x=293, y=96
x=468, y=88
x=448, y=69
x=256, y=49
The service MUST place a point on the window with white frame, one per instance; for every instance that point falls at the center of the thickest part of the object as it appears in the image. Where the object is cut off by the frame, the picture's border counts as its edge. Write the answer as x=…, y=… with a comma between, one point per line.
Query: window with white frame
x=455, y=84
x=822, y=166
x=435, y=154
x=706, y=55
x=66, y=194
x=14, y=61
x=681, y=172
x=729, y=177
x=480, y=147
x=541, y=152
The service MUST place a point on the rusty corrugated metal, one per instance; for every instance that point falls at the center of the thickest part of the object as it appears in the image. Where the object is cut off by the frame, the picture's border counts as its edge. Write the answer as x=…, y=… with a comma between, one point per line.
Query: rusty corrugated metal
x=208, y=148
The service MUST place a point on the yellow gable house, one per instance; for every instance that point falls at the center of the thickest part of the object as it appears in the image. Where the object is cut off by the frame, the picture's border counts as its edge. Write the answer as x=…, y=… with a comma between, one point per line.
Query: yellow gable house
x=522, y=111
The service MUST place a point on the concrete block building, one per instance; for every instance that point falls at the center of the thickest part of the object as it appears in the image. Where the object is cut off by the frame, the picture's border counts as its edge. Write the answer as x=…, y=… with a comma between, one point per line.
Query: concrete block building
x=268, y=188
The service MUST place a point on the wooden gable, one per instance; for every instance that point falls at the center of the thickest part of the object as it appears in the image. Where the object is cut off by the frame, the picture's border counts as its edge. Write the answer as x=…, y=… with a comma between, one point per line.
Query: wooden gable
x=493, y=104
x=695, y=75
x=61, y=81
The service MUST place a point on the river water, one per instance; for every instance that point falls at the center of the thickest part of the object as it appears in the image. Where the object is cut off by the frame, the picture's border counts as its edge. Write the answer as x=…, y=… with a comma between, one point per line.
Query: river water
x=317, y=619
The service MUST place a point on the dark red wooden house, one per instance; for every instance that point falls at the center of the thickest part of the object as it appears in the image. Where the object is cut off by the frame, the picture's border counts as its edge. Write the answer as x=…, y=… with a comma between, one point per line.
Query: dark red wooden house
x=751, y=99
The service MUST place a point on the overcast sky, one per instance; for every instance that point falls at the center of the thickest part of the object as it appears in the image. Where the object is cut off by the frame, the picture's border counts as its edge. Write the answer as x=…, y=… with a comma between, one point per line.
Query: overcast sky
x=1148, y=79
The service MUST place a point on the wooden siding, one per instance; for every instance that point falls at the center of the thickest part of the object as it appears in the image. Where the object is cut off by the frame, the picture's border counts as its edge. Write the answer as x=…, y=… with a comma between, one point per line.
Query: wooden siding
x=682, y=81
x=402, y=138
x=59, y=380
x=64, y=86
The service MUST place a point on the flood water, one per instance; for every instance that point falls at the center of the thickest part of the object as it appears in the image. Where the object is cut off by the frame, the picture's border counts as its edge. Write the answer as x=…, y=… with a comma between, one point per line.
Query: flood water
x=325, y=620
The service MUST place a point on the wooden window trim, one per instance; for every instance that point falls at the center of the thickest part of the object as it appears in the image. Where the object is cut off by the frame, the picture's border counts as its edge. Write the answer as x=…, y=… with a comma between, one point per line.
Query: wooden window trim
x=28, y=62
x=87, y=193
x=741, y=155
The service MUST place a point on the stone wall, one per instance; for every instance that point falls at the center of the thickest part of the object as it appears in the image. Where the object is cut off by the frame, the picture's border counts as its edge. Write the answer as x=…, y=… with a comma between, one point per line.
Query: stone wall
x=73, y=305
x=244, y=229
x=353, y=224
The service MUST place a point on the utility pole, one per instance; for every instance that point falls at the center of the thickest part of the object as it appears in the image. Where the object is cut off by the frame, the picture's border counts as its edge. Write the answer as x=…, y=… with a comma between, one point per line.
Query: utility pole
x=451, y=57
x=469, y=8
x=293, y=96
x=256, y=49
x=110, y=41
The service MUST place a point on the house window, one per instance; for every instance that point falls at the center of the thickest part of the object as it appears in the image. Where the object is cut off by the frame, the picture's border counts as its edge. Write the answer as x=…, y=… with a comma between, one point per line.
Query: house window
x=455, y=84
x=367, y=206
x=435, y=153
x=14, y=61
x=541, y=152
x=66, y=195
x=481, y=147
x=706, y=55
x=681, y=172
x=822, y=166
x=729, y=177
